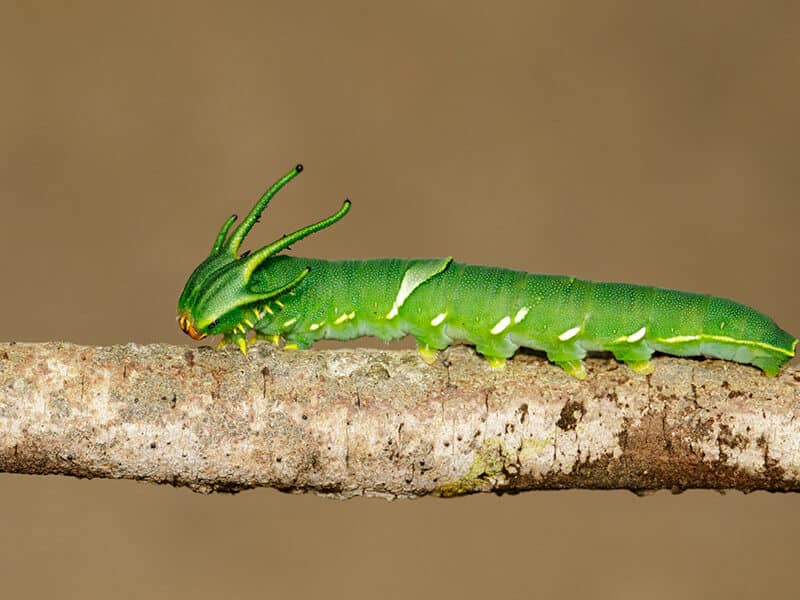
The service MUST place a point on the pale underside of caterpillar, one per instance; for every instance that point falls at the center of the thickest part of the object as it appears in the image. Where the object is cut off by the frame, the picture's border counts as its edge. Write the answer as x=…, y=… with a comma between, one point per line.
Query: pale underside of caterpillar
x=440, y=302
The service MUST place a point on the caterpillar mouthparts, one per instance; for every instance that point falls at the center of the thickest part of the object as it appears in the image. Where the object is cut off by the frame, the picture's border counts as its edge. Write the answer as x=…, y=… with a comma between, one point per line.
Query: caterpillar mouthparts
x=186, y=324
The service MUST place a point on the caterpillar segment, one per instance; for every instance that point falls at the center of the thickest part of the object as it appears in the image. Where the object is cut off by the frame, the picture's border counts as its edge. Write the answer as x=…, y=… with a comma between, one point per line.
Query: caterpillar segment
x=441, y=302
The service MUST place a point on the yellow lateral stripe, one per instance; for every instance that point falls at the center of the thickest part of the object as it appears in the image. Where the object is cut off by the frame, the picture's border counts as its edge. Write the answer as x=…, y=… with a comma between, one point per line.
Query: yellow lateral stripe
x=728, y=340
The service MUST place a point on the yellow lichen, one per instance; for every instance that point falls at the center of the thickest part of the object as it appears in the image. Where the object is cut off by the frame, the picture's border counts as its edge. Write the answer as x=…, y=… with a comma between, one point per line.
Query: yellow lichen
x=532, y=448
x=489, y=466
x=493, y=464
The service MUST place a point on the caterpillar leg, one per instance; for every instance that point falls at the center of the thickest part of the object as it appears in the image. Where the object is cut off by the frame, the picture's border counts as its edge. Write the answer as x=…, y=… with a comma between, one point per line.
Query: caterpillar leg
x=496, y=351
x=426, y=353
x=496, y=362
x=576, y=368
x=569, y=356
x=298, y=342
x=233, y=339
x=635, y=355
x=645, y=367
x=273, y=339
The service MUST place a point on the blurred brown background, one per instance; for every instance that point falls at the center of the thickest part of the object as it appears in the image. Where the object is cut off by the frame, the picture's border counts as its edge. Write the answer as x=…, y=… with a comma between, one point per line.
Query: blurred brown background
x=637, y=141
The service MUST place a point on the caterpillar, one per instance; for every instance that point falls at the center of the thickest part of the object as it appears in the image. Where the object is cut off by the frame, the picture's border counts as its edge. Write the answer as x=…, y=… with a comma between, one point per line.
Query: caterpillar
x=440, y=302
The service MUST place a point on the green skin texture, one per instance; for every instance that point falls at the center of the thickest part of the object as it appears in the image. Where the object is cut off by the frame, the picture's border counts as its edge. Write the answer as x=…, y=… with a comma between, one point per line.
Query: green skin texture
x=441, y=302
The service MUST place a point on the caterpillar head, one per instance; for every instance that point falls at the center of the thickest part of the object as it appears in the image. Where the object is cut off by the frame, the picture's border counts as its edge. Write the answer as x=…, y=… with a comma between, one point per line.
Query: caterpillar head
x=220, y=292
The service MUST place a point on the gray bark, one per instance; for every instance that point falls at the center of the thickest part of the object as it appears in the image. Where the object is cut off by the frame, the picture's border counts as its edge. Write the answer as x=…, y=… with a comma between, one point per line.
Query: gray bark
x=383, y=423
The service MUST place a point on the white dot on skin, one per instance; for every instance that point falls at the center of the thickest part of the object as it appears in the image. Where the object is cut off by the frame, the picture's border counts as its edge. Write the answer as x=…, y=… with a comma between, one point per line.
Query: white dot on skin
x=437, y=320
x=521, y=313
x=501, y=325
x=636, y=336
x=569, y=334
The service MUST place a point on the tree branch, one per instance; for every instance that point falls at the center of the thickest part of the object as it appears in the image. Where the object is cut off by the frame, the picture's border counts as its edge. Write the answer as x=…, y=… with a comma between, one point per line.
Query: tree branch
x=369, y=422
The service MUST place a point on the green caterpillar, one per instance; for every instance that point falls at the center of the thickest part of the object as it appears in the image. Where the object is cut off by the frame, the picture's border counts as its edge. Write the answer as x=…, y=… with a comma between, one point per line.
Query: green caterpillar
x=440, y=301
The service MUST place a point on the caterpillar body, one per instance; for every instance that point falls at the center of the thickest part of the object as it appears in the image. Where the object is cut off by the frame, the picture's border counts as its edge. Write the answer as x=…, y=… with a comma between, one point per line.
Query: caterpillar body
x=440, y=302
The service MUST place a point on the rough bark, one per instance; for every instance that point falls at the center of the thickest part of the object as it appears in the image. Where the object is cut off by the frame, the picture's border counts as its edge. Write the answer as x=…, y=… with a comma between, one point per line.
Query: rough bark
x=369, y=422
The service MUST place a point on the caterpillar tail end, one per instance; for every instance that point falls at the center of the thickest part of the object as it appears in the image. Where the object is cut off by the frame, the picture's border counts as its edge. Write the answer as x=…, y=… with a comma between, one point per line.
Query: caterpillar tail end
x=772, y=363
x=771, y=368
